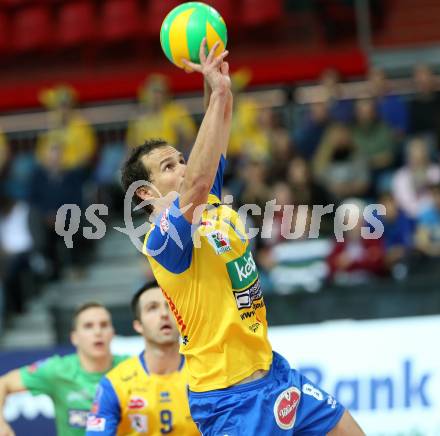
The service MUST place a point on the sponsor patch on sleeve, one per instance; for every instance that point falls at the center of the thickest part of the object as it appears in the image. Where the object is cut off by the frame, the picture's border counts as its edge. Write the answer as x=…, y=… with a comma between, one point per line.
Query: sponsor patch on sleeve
x=95, y=423
x=285, y=408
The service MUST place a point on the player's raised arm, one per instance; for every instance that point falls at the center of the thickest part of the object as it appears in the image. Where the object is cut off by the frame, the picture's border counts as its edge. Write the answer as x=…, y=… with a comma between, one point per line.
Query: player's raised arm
x=213, y=133
x=9, y=384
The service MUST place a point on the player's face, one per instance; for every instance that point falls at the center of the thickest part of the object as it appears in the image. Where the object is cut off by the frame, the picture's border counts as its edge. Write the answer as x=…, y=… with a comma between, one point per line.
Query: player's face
x=167, y=168
x=156, y=323
x=93, y=332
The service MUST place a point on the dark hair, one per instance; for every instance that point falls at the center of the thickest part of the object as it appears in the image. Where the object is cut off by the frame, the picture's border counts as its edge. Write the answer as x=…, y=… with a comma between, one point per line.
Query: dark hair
x=133, y=168
x=137, y=296
x=83, y=308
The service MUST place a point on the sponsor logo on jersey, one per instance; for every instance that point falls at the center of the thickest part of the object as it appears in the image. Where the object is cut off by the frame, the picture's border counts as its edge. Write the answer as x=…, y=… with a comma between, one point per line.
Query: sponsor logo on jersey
x=78, y=418
x=138, y=423
x=219, y=241
x=137, y=403
x=286, y=406
x=175, y=312
x=245, y=299
x=34, y=366
x=242, y=271
x=95, y=423
x=164, y=224
x=76, y=396
x=165, y=397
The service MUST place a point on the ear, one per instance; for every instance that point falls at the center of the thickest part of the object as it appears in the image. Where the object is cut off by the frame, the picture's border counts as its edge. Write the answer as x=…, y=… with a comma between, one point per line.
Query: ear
x=73, y=338
x=144, y=193
x=137, y=326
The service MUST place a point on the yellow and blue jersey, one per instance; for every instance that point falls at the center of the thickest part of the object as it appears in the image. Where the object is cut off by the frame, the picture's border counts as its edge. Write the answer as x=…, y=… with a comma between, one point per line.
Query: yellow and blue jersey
x=132, y=401
x=210, y=279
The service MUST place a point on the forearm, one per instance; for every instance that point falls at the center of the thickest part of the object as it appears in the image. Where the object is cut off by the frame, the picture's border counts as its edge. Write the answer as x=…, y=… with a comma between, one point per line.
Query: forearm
x=207, y=91
x=9, y=384
x=205, y=155
x=3, y=395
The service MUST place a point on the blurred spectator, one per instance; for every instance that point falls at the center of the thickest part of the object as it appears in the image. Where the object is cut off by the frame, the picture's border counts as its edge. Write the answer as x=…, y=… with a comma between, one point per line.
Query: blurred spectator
x=254, y=188
x=299, y=262
x=340, y=109
x=302, y=185
x=16, y=244
x=373, y=136
x=375, y=141
x=4, y=152
x=161, y=117
x=107, y=174
x=356, y=259
x=66, y=126
x=339, y=166
x=280, y=147
x=53, y=186
x=281, y=224
x=308, y=134
x=428, y=225
x=397, y=236
x=306, y=191
x=392, y=109
x=410, y=183
x=248, y=136
x=425, y=104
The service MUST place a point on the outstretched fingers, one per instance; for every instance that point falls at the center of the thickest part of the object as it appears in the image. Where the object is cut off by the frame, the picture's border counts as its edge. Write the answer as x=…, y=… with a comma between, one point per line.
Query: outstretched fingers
x=191, y=66
x=202, y=51
x=224, y=68
x=211, y=54
x=220, y=58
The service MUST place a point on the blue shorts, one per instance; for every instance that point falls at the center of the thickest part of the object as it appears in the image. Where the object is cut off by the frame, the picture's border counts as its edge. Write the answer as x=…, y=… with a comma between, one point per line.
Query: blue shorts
x=283, y=402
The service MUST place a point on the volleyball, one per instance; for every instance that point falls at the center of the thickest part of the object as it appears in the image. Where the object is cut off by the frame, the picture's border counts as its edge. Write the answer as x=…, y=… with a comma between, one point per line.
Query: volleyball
x=184, y=28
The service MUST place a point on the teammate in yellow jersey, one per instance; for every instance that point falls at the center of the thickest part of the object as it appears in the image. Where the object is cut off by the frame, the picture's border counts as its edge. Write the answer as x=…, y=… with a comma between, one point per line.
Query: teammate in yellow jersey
x=201, y=258
x=147, y=394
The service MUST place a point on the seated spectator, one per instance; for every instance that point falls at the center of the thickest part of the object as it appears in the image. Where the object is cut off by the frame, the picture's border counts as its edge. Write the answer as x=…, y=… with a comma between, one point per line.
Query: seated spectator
x=373, y=137
x=280, y=147
x=339, y=166
x=356, y=259
x=16, y=244
x=161, y=117
x=376, y=142
x=410, y=183
x=254, y=188
x=428, y=225
x=425, y=104
x=308, y=134
x=248, y=137
x=53, y=187
x=391, y=108
x=4, y=152
x=297, y=262
x=340, y=108
x=74, y=134
x=397, y=236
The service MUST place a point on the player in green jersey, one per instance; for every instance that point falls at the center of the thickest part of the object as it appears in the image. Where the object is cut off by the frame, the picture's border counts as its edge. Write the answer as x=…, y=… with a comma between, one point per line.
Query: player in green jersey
x=70, y=381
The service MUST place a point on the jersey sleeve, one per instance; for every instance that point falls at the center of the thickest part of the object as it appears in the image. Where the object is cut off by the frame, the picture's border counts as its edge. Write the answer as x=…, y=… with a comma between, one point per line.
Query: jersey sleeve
x=218, y=182
x=40, y=377
x=170, y=240
x=106, y=411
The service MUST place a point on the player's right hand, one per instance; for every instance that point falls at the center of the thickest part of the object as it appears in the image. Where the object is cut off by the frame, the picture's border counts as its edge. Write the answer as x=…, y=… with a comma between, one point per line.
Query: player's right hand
x=5, y=429
x=214, y=69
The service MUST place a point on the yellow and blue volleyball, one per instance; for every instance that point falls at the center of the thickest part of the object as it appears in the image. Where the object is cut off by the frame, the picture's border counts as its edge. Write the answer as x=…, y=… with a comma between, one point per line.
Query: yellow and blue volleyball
x=184, y=28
